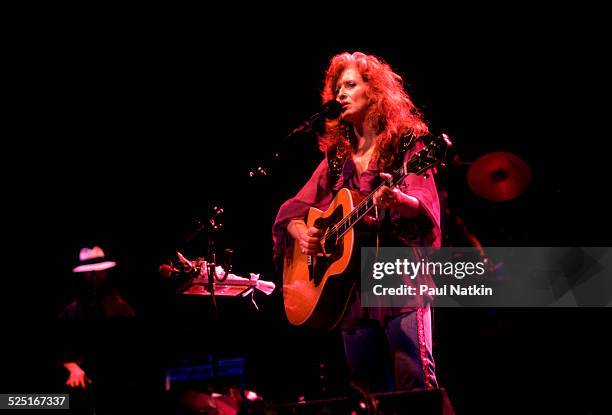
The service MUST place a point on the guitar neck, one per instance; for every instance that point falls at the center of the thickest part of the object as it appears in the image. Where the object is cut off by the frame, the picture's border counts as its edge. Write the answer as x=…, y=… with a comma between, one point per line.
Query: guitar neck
x=362, y=208
x=354, y=217
x=431, y=155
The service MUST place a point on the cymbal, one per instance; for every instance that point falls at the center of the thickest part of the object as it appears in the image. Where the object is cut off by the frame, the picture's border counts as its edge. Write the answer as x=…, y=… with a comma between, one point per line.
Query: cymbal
x=499, y=176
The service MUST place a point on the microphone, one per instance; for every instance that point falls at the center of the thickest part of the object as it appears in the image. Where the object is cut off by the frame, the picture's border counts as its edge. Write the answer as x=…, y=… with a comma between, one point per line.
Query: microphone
x=331, y=109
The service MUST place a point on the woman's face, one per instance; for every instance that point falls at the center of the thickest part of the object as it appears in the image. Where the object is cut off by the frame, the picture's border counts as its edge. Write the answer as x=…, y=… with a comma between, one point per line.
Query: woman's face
x=351, y=93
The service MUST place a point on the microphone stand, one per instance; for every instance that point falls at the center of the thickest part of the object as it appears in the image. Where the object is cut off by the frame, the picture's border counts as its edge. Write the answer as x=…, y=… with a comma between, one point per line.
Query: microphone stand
x=331, y=109
x=211, y=264
x=216, y=224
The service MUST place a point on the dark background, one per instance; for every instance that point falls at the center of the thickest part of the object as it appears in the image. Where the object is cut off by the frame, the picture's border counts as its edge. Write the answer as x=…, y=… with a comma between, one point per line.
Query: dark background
x=134, y=133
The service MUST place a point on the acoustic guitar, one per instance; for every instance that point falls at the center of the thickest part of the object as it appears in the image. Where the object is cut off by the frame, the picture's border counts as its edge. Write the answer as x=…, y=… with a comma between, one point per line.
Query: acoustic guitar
x=317, y=288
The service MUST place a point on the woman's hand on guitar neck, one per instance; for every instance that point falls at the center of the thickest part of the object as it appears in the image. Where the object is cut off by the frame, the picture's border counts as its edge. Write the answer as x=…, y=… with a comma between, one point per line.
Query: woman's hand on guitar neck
x=308, y=238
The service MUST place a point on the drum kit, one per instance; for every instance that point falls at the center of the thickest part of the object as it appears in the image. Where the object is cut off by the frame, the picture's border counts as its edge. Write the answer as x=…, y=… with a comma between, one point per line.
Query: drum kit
x=497, y=177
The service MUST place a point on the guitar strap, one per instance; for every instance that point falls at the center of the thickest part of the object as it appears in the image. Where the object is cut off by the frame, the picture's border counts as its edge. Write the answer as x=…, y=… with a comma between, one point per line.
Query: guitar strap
x=335, y=163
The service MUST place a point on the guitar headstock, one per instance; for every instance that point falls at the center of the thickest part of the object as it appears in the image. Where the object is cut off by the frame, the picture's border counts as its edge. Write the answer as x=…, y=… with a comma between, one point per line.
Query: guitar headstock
x=433, y=154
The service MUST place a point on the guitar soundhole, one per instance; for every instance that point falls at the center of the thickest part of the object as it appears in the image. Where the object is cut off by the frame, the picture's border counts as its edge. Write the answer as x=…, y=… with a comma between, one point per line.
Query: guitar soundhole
x=331, y=246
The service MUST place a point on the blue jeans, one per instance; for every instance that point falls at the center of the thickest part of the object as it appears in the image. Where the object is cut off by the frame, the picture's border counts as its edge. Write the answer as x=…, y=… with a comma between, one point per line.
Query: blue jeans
x=397, y=356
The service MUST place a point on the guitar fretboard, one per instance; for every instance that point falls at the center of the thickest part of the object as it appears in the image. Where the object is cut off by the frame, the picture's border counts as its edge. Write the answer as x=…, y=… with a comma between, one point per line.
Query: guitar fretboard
x=359, y=211
x=418, y=164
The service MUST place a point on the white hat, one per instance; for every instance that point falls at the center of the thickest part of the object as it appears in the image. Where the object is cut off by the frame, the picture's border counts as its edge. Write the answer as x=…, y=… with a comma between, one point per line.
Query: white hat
x=93, y=260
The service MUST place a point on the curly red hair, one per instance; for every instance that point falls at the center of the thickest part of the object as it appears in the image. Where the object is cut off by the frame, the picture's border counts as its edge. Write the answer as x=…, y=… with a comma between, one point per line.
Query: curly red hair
x=391, y=111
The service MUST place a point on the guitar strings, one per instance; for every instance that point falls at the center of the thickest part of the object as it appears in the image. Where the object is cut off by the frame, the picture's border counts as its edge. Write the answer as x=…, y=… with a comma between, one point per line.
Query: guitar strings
x=355, y=215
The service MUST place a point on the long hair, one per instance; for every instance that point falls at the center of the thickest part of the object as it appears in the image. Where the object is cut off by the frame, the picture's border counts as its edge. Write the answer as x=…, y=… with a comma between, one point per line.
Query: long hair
x=391, y=112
